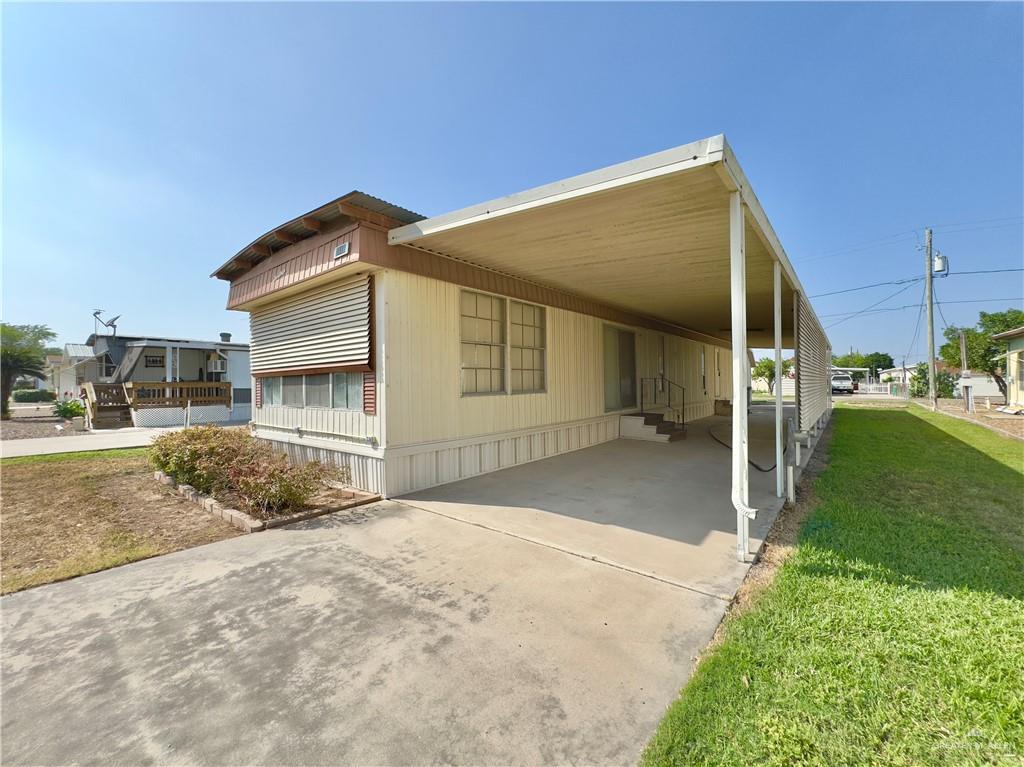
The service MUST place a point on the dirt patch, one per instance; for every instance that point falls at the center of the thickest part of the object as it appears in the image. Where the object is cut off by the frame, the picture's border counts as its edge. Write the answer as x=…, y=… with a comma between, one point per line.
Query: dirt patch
x=1005, y=423
x=874, y=404
x=24, y=427
x=324, y=501
x=70, y=516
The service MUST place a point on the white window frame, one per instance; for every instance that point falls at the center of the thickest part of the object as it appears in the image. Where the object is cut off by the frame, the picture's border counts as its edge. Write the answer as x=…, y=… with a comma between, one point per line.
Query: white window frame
x=335, y=406
x=543, y=350
x=504, y=345
x=507, y=345
x=265, y=396
x=264, y=400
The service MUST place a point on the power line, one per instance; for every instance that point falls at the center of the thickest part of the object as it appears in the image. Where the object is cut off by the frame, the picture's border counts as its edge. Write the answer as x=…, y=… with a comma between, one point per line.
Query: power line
x=914, y=306
x=865, y=287
x=989, y=271
x=917, y=327
x=872, y=306
x=911, y=279
x=938, y=303
x=984, y=300
x=979, y=221
x=906, y=235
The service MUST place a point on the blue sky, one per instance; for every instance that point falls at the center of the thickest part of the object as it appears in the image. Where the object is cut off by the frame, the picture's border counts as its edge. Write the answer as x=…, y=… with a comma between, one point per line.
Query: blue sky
x=144, y=144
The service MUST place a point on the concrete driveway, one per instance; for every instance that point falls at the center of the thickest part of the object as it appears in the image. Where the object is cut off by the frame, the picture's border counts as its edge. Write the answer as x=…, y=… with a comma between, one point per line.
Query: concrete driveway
x=387, y=635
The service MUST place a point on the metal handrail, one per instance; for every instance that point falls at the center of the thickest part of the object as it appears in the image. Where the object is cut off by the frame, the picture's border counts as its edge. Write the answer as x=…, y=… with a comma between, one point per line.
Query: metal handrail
x=671, y=383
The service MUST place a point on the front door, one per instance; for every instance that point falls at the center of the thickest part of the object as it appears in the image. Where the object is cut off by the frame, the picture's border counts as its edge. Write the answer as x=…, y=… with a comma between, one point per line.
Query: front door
x=619, y=368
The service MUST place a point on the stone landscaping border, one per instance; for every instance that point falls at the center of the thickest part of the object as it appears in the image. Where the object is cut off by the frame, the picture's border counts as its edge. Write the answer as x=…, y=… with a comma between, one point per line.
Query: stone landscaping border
x=248, y=524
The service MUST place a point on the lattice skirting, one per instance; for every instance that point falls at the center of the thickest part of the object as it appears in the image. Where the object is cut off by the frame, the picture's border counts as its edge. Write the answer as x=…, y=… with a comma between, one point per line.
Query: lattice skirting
x=175, y=416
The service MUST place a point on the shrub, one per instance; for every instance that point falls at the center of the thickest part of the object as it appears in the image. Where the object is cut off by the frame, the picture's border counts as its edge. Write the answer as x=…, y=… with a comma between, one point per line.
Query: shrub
x=945, y=383
x=69, y=408
x=204, y=456
x=216, y=460
x=274, y=487
x=34, y=395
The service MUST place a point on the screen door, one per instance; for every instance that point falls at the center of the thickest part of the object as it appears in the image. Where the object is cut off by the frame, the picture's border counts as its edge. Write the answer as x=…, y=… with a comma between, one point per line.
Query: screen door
x=619, y=368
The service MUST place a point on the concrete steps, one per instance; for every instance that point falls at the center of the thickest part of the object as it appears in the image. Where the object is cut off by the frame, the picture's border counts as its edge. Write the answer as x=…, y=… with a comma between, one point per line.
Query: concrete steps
x=652, y=427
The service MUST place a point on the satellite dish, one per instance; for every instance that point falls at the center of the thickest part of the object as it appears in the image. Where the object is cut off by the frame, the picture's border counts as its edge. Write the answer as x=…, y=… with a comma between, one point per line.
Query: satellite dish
x=111, y=323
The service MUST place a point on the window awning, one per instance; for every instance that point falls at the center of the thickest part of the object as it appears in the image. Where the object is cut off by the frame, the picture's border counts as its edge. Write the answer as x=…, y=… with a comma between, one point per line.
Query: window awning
x=649, y=236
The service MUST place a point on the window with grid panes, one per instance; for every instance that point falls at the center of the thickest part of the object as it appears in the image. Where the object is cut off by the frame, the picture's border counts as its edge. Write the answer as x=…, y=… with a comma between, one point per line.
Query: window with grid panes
x=482, y=323
x=526, y=347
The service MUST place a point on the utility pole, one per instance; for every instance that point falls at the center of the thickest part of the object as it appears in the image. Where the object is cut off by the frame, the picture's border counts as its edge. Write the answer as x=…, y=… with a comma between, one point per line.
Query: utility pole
x=931, y=323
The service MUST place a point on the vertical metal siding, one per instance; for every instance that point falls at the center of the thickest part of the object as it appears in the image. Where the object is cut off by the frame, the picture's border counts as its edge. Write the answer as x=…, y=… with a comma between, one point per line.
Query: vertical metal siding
x=425, y=403
x=320, y=423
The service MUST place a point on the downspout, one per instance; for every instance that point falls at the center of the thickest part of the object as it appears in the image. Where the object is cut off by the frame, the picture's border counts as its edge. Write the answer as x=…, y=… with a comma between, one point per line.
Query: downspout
x=779, y=463
x=740, y=374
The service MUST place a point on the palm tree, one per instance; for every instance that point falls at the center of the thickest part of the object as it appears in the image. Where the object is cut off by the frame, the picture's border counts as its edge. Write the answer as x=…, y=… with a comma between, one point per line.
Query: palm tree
x=22, y=353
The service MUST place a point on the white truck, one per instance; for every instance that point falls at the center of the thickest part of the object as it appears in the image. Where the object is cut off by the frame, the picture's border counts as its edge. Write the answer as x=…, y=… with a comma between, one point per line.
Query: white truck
x=842, y=384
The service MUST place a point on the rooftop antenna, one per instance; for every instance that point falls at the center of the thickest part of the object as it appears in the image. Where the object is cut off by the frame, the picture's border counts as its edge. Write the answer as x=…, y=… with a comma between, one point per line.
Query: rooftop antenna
x=111, y=323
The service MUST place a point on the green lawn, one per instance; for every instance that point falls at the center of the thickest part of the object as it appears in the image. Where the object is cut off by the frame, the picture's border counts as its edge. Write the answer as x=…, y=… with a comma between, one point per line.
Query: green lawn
x=894, y=635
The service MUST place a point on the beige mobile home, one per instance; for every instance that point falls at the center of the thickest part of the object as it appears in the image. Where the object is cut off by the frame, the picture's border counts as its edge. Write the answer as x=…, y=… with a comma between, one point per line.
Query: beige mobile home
x=616, y=304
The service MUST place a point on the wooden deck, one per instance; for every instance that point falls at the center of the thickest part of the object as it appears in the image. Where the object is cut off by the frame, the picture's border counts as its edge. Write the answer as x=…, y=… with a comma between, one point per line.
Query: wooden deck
x=110, y=405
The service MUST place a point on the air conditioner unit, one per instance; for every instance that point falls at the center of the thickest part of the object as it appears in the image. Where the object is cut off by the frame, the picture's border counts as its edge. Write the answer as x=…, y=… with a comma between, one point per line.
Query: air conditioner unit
x=217, y=366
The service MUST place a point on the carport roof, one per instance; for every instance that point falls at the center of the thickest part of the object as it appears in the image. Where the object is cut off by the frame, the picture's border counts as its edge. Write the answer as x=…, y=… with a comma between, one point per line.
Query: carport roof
x=650, y=236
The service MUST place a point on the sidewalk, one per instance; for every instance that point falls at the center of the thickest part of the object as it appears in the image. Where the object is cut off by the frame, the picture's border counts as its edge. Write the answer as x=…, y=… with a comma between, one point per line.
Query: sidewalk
x=107, y=440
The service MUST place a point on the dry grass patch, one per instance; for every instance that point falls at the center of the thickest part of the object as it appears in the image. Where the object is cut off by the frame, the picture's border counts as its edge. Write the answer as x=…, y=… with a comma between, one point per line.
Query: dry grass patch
x=67, y=515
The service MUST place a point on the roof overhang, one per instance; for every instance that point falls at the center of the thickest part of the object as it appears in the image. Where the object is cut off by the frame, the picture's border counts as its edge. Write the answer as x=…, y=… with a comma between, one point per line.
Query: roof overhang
x=1006, y=335
x=649, y=236
x=354, y=206
x=211, y=346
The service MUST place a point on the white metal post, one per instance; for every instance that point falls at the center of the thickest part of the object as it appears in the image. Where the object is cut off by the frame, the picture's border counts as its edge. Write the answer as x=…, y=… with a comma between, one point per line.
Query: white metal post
x=740, y=372
x=780, y=479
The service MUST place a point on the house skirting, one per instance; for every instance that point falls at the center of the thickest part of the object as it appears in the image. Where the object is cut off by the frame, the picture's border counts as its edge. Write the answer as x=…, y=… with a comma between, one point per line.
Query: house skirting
x=175, y=416
x=403, y=469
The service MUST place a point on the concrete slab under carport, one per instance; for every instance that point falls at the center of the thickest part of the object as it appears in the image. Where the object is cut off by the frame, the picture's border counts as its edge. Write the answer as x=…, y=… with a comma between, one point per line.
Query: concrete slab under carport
x=383, y=635
x=655, y=508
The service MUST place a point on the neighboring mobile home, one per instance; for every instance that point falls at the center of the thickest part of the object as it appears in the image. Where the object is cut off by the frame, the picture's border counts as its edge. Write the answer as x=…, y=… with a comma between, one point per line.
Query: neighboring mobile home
x=210, y=380
x=1014, y=366
x=422, y=351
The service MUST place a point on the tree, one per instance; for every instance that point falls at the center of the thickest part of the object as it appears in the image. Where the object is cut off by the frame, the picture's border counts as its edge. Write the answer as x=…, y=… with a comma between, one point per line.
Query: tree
x=765, y=370
x=874, y=361
x=982, y=351
x=21, y=354
x=945, y=383
x=878, y=361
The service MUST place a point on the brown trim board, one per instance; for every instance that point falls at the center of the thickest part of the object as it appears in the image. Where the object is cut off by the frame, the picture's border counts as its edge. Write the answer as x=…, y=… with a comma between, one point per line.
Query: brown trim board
x=375, y=250
x=312, y=371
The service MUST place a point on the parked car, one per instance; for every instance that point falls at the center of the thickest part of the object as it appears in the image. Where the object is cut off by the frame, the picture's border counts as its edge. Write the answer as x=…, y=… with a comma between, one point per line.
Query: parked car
x=842, y=384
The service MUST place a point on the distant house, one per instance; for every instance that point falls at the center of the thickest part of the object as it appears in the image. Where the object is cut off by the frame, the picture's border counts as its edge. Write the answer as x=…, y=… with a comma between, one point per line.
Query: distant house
x=984, y=385
x=116, y=373
x=900, y=375
x=1014, y=365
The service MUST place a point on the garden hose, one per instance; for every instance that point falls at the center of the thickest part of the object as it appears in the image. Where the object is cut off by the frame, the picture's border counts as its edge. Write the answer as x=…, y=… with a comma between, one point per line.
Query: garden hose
x=751, y=461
